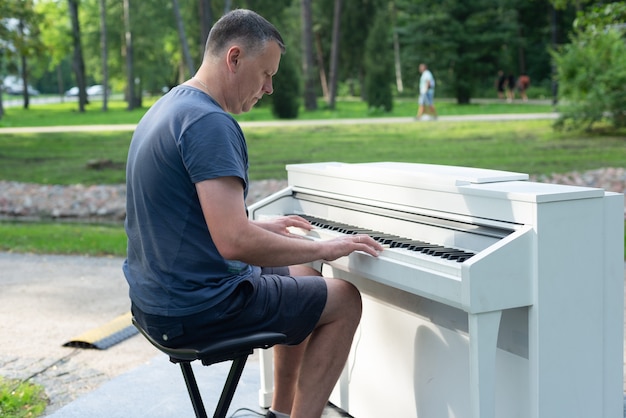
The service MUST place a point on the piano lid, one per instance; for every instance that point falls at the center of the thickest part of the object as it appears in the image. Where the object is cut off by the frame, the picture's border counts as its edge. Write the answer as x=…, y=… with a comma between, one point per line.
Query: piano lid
x=408, y=174
x=393, y=182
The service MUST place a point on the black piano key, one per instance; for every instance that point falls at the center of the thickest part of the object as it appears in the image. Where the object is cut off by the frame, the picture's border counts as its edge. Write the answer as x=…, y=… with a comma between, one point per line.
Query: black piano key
x=438, y=252
x=422, y=246
x=454, y=255
x=401, y=243
x=384, y=239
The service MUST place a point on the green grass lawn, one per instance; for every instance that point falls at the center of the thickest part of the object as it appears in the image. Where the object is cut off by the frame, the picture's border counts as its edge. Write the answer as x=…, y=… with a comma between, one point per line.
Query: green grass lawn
x=527, y=146
x=531, y=147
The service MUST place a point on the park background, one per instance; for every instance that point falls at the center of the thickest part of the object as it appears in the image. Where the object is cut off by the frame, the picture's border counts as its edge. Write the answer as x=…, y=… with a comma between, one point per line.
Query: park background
x=350, y=59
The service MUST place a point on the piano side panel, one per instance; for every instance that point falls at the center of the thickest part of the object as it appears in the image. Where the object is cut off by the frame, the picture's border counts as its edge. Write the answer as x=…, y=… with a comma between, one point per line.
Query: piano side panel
x=566, y=338
x=613, y=305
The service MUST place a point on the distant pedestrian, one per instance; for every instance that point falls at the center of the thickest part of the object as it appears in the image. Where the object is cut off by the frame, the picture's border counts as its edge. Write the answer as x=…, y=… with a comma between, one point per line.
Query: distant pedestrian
x=522, y=85
x=500, y=84
x=510, y=88
x=426, y=99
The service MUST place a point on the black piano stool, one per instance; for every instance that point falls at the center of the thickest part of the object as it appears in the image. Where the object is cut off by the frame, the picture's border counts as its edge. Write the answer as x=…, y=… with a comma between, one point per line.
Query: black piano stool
x=237, y=350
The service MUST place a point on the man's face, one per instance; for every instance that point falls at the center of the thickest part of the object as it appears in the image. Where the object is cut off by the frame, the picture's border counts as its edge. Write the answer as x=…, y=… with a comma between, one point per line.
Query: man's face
x=254, y=77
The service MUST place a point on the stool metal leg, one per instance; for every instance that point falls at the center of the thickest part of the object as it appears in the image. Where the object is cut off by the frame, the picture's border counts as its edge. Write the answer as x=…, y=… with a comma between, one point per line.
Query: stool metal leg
x=192, y=388
x=229, y=387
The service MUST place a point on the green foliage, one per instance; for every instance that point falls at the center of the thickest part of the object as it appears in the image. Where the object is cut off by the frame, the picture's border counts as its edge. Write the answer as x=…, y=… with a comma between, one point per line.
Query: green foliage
x=459, y=41
x=21, y=399
x=285, y=99
x=592, y=73
x=379, y=62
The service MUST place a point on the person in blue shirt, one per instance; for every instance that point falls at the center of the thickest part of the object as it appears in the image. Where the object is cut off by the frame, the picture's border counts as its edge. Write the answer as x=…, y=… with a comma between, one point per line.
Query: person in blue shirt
x=197, y=267
x=426, y=100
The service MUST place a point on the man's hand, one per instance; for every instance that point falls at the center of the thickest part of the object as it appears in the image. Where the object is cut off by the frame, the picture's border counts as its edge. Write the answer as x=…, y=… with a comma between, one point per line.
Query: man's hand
x=280, y=225
x=348, y=244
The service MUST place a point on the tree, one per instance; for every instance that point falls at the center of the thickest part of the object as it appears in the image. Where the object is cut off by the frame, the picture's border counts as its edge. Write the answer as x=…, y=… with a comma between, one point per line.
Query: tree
x=20, y=41
x=591, y=70
x=78, y=61
x=104, y=52
x=310, y=99
x=130, y=69
x=183, y=39
x=379, y=64
x=357, y=21
x=206, y=20
x=55, y=29
x=285, y=101
x=334, y=55
x=459, y=40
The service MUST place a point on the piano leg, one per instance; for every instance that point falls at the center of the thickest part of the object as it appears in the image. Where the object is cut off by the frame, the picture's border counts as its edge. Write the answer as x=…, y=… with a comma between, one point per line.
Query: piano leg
x=266, y=363
x=483, y=340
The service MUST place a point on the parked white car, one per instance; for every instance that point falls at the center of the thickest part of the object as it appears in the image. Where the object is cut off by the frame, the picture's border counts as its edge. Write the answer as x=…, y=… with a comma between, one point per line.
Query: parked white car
x=72, y=92
x=18, y=89
x=95, y=90
x=13, y=85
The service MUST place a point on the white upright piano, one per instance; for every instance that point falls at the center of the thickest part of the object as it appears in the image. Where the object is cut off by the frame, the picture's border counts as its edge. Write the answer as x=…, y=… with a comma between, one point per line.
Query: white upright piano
x=497, y=297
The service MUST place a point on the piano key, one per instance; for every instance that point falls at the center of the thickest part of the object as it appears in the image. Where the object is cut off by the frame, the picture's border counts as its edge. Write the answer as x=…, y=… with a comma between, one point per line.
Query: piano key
x=392, y=241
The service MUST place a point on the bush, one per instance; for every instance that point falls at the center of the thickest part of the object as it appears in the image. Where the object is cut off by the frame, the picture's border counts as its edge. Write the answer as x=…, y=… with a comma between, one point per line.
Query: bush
x=591, y=72
x=285, y=99
x=379, y=64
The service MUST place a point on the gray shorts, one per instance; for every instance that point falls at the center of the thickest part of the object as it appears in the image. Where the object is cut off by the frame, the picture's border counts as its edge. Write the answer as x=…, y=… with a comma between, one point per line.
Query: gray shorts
x=427, y=98
x=272, y=301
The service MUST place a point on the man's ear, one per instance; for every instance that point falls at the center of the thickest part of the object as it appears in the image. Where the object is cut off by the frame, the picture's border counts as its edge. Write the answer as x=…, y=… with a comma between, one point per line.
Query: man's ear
x=233, y=57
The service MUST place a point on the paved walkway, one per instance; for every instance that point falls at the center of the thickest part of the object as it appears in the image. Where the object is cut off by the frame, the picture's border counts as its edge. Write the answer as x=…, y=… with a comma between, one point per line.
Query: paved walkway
x=47, y=300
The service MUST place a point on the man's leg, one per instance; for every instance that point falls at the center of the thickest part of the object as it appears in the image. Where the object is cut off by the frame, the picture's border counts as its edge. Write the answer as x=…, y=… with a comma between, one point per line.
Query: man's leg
x=306, y=374
x=433, y=111
x=420, y=111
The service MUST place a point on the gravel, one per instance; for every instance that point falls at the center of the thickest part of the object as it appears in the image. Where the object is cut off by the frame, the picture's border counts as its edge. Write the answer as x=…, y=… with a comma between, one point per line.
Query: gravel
x=107, y=202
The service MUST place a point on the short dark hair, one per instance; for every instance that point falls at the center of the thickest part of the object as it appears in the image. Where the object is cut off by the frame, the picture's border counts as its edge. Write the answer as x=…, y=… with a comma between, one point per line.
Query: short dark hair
x=252, y=30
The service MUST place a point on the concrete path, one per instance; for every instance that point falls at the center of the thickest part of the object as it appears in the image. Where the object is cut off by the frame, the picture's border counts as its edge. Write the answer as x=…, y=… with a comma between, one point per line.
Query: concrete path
x=47, y=300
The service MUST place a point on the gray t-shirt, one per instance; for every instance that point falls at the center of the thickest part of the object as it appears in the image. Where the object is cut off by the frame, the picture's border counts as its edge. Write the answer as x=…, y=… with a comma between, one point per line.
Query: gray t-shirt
x=173, y=267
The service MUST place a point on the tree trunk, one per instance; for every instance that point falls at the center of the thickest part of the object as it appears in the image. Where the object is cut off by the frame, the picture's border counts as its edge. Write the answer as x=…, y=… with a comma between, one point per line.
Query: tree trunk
x=310, y=99
x=1, y=83
x=103, y=51
x=396, y=49
x=334, y=55
x=130, y=74
x=206, y=20
x=25, y=80
x=78, y=63
x=321, y=66
x=23, y=65
x=183, y=40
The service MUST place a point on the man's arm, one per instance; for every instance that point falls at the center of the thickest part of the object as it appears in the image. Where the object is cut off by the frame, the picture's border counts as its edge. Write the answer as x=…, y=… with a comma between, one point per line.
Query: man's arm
x=238, y=238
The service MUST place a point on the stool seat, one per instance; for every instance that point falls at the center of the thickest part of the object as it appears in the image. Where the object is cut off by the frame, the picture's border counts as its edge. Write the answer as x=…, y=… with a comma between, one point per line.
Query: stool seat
x=235, y=349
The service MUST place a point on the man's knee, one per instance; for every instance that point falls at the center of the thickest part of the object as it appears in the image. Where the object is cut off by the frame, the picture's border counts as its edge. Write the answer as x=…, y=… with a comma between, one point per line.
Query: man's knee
x=344, y=297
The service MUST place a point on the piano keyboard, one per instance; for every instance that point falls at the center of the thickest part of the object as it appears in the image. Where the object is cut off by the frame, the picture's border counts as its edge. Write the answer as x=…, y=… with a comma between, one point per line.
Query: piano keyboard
x=392, y=241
